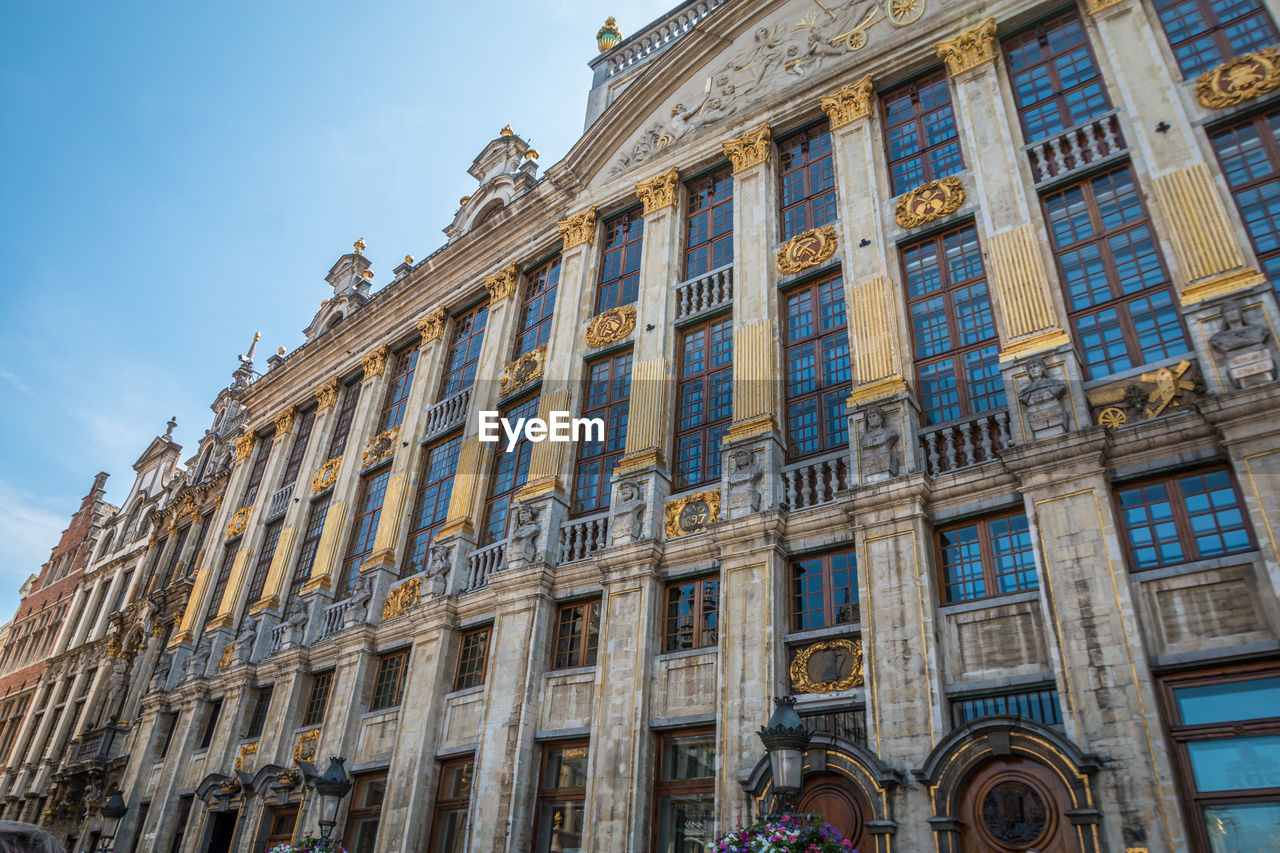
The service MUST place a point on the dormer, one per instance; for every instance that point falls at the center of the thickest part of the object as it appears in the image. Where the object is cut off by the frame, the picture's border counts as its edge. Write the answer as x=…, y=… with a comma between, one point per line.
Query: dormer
x=350, y=278
x=506, y=168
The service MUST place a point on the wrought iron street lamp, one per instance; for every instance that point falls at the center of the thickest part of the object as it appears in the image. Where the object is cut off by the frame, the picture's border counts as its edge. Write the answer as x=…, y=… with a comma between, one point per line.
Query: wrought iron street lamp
x=113, y=809
x=331, y=786
x=785, y=739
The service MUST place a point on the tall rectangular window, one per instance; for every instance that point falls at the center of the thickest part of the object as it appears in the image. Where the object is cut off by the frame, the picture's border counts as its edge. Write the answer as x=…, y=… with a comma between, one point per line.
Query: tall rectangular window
x=620, y=267
x=952, y=327
x=988, y=557
x=1056, y=82
x=1249, y=152
x=693, y=614
x=185, y=804
x=824, y=591
x=346, y=414
x=705, y=400
x=818, y=372
x=261, y=707
x=388, y=681
x=318, y=698
x=210, y=723
x=262, y=452
x=464, y=350
x=1118, y=293
x=453, y=801
x=170, y=720
x=174, y=556
x=708, y=236
x=577, y=635
x=270, y=539
x=293, y=465
x=398, y=388
x=538, y=307
x=472, y=659
x=684, y=792
x=562, y=798
x=205, y=522
x=309, y=546
x=373, y=489
x=808, y=191
x=431, y=504
x=1183, y=517
x=223, y=576
x=920, y=133
x=1205, y=33
x=510, y=470
x=608, y=397
x=367, y=796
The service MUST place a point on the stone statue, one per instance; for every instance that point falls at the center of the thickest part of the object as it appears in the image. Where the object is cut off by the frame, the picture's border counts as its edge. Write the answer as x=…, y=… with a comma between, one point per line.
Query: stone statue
x=524, y=539
x=1042, y=398
x=245, y=640
x=878, y=447
x=628, y=514
x=160, y=677
x=115, y=692
x=360, y=595
x=198, y=663
x=1244, y=346
x=438, y=568
x=744, y=483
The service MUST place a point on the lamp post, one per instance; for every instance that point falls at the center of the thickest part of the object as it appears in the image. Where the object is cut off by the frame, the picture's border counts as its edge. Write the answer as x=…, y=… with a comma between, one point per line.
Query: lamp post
x=113, y=809
x=331, y=786
x=785, y=738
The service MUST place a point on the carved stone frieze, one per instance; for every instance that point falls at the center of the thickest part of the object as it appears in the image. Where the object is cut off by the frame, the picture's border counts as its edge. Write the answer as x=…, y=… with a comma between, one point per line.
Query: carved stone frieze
x=660, y=192
x=431, y=327
x=523, y=370
x=807, y=249
x=578, y=230
x=611, y=326
x=850, y=103
x=502, y=284
x=970, y=49
x=750, y=149
x=692, y=513
x=930, y=201
x=1237, y=80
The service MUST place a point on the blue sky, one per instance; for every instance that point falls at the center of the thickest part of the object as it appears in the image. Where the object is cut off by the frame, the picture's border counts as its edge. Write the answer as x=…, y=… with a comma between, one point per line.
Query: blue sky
x=175, y=176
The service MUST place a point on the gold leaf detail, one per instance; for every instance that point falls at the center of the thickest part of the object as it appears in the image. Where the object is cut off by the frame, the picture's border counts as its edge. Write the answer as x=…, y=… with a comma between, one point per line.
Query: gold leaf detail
x=244, y=447
x=502, y=284
x=969, y=49
x=849, y=104
x=578, y=230
x=750, y=149
x=807, y=249
x=930, y=201
x=611, y=326
x=801, y=681
x=380, y=446
x=284, y=421
x=375, y=362
x=692, y=513
x=326, y=476
x=431, y=327
x=1237, y=80
x=523, y=370
x=400, y=599
x=239, y=521
x=660, y=192
x=327, y=394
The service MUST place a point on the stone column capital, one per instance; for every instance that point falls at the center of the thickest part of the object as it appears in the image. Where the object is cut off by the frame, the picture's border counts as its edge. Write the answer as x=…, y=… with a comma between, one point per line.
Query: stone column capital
x=849, y=103
x=659, y=193
x=971, y=48
x=749, y=150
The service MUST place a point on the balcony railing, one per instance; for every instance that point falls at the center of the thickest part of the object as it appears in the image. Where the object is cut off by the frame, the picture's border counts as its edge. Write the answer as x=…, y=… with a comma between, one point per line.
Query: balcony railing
x=815, y=481
x=277, y=637
x=448, y=413
x=582, y=537
x=482, y=563
x=710, y=290
x=959, y=445
x=662, y=34
x=279, y=502
x=1075, y=148
x=335, y=617
x=97, y=745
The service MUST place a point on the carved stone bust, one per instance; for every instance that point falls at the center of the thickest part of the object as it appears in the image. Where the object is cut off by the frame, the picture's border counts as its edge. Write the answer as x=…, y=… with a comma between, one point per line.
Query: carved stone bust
x=524, y=539
x=360, y=595
x=878, y=447
x=1042, y=399
x=1244, y=346
x=438, y=568
x=628, y=514
x=744, y=483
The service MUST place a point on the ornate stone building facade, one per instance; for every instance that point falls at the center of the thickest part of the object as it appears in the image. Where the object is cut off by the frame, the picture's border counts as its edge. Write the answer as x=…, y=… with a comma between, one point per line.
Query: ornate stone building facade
x=935, y=346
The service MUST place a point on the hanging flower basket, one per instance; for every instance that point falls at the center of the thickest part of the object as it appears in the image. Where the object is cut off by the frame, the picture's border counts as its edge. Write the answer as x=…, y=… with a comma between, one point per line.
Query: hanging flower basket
x=786, y=834
x=308, y=844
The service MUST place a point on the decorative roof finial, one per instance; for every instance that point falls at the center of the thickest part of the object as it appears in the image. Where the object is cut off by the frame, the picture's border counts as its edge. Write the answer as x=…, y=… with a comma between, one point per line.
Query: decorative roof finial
x=506, y=131
x=531, y=154
x=408, y=259
x=609, y=36
x=173, y=422
x=359, y=246
x=253, y=347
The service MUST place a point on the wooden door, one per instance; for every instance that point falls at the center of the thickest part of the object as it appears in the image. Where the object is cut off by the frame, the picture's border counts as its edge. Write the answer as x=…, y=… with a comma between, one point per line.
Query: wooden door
x=283, y=821
x=1016, y=806
x=834, y=798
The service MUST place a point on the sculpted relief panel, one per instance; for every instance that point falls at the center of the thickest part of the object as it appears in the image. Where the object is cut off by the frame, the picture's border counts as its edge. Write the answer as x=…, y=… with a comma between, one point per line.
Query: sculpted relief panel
x=798, y=42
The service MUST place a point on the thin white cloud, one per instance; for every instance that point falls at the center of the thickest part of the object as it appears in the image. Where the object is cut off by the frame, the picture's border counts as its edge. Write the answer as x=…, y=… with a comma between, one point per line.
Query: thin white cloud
x=29, y=529
x=17, y=383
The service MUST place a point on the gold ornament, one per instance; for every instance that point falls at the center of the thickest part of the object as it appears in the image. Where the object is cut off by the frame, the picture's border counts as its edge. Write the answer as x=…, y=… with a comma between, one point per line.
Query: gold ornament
x=327, y=394
x=380, y=446
x=523, y=370
x=359, y=245
x=692, y=513
x=431, y=327
x=849, y=104
x=1093, y=7
x=284, y=421
x=1169, y=387
x=611, y=326
x=227, y=651
x=1112, y=417
x=578, y=230
x=750, y=149
x=969, y=49
x=306, y=745
x=930, y=201
x=1237, y=80
x=608, y=36
x=288, y=778
x=376, y=362
x=239, y=521
x=660, y=192
x=807, y=249
x=840, y=653
x=506, y=131
x=245, y=751
x=244, y=447
x=400, y=599
x=326, y=476
x=502, y=284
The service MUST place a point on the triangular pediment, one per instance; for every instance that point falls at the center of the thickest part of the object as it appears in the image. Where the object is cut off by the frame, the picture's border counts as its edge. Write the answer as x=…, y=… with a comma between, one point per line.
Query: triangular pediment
x=159, y=448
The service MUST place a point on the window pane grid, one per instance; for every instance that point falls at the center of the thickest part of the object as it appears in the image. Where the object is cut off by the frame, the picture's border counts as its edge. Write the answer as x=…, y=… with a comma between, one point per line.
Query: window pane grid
x=985, y=558
x=620, y=267
x=1185, y=517
x=709, y=223
x=538, y=308
x=691, y=619
x=398, y=389
x=260, y=457
x=464, y=350
x=318, y=699
x=1204, y=33
x=388, y=682
x=342, y=427
x=364, y=528
x=431, y=505
x=309, y=546
x=705, y=401
x=1250, y=156
x=1041, y=705
x=270, y=539
x=808, y=194
x=471, y=659
x=577, y=635
x=510, y=471
x=299, y=449
x=818, y=370
x=824, y=591
x=1056, y=82
x=607, y=396
x=920, y=133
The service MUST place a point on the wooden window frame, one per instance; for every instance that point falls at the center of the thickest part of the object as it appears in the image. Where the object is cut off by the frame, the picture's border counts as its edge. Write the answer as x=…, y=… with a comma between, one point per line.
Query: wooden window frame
x=1260, y=123
x=501, y=488
x=463, y=355
x=708, y=201
x=298, y=451
x=423, y=528
x=986, y=558
x=816, y=207
x=700, y=785
x=346, y=415
x=1041, y=34
x=388, y=680
x=403, y=364
x=261, y=710
x=701, y=635
x=1216, y=31
x=623, y=248
x=364, y=526
x=261, y=454
x=827, y=589
x=546, y=794
x=538, y=306
x=577, y=621
x=446, y=805
x=223, y=578
x=175, y=556
x=318, y=698
x=700, y=393
x=310, y=544
x=596, y=459
x=985, y=349
x=210, y=728
x=1181, y=518
x=824, y=389
x=358, y=813
x=473, y=646
x=266, y=553
x=919, y=122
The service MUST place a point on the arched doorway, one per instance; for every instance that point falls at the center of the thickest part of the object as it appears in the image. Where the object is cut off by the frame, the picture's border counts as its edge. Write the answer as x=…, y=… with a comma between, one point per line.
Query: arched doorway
x=1015, y=804
x=834, y=798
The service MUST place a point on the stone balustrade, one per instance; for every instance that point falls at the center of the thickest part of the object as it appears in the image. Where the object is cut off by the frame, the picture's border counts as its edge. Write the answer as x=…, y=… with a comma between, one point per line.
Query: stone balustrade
x=482, y=563
x=707, y=291
x=952, y=446
x=447, y=414
x=1076, y=147
x=582, y=537
x=815, y=481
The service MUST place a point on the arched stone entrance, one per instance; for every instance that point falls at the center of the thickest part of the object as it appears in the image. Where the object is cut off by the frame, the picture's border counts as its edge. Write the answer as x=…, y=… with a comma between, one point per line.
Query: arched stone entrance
x=832, y=796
